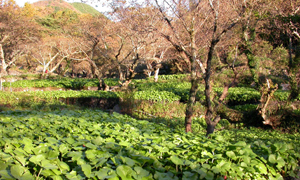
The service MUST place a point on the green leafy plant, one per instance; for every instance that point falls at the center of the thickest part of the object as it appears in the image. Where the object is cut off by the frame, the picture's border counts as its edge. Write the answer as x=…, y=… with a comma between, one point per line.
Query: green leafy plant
x=75, y=84
x=91, y=144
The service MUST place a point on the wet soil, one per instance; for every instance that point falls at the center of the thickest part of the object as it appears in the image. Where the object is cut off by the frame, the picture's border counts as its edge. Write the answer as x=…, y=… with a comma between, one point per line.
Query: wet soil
x=92, y=102
x=89, y=102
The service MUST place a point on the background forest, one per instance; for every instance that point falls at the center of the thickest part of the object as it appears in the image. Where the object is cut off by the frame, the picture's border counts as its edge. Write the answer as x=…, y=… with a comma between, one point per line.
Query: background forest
x=246, y=44
x=218, y=82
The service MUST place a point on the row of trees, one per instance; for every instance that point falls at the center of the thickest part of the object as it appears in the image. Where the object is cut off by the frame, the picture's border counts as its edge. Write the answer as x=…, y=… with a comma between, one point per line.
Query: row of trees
x=232, y=39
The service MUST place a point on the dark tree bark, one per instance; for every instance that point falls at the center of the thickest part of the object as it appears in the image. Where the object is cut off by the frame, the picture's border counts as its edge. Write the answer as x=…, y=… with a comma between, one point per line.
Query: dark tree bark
x=190, y=53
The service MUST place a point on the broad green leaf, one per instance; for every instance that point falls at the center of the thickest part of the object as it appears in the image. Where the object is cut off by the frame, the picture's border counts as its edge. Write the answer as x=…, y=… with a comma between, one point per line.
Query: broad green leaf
x=243, y=164
x=125, y=172
x=241, y=144
x=246, y=159
x=21, y=160
x=28, y=148
x=56, y=178
x=103, y=173
x=176, y=160
x=278, y=177
x=101, y=161
x=56, y=171
x=20, y=152
x=36, y=159
x=47, y=173
x=272, y=158
x=98, y=141
x=189, y=176
x=280, y=162
x=52, y=154
x=5, y=174
x=5, y=157
x=158, y=165
x=207, y=154
x=218, y=156
x=75, y=155
x=219, y=138
x=81, y=161
x=272, y=171
x=231, y=154
x=70, y=140
x=90, y=145
x=125, y=143
x=106, y=173
x=26, y=141
x=128, y=161
x=216, y=170
x=224, y=166
x=51, y=140
x=48, y=164
x=206, y=166
x=8, y=148
x=261, y=168
x=3, y=165
x=63, y=149
x=20, y=172
x=91, y=154
x=142, y=159
x=63, y=166
x=40, y=149
x=72, y=176
x=164, y=176
x=141, y=173
x=209, y=175
x=201, y=172
x=87, y=169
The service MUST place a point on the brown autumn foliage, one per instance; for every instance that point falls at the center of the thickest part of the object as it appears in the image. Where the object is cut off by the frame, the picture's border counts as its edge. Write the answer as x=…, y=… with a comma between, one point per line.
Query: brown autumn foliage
x=14, y=36
x=206, y=38
x=47, y=7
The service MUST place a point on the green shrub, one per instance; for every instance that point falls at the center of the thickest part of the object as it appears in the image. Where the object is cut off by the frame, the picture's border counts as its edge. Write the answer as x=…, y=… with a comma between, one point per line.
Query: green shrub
x=75, y=84
x=154, y=95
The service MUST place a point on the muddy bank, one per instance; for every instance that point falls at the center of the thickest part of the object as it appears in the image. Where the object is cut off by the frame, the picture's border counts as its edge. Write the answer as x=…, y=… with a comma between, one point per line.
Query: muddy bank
x=92, y=102
x=12, y=89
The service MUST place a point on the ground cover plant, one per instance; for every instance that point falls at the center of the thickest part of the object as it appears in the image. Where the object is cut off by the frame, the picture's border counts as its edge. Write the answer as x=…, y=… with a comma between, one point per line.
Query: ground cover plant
x=91, y=144
x=168, y=84
x=60, y=143
x=57, y=81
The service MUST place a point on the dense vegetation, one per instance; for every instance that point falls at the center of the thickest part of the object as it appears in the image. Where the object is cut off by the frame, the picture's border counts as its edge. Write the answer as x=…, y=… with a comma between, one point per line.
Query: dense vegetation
x=157, y=90
x=92, y=144
x=76, y=143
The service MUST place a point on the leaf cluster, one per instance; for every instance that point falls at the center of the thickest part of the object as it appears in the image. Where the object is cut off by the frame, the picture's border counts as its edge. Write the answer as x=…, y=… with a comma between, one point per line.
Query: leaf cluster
x=90, y=144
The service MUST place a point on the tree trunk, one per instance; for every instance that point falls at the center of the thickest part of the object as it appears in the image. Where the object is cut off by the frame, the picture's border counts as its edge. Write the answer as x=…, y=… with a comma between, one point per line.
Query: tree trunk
x=267, y=93
x=156, y=74
x=290, y=53
x=210, y=128
x=190, y=104
x=2, y=60
x=211, y=125
x=209, y=111
x=295, y=90
x=57, y=65
x=121, y=75
x=194, y=82
x=0, y=83
x=96, y=72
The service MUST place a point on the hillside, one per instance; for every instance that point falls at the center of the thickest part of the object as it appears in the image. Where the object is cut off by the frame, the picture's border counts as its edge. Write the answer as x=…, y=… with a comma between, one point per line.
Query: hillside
x=50, y=6
x=85, y=8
